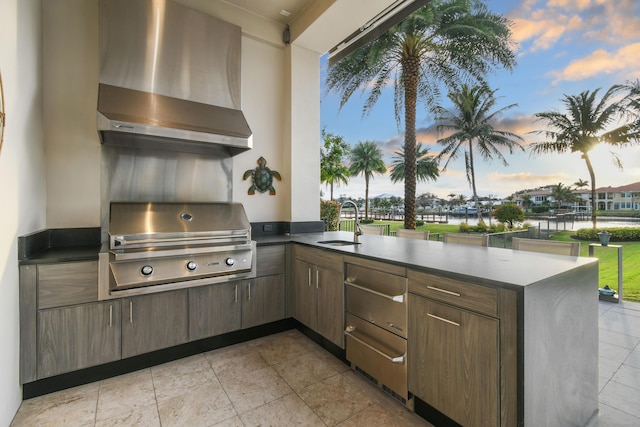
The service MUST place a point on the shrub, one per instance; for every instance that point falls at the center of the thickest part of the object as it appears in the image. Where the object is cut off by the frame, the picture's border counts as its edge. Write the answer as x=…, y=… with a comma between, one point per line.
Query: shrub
x=464, y=227
x=617, y=234
x=329, y=211
x=539, y=209
x=366, y=221
x=419, y=223
x=509, y=213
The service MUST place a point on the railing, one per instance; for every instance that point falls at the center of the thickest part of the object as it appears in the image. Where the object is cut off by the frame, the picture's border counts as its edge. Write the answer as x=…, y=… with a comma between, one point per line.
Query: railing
x=505, y=238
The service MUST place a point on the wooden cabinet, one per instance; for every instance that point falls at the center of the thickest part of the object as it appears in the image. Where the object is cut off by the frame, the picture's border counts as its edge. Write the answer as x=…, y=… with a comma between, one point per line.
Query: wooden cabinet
x=154, y=321
x=453, y=358
x=263, y=300
x=319, y=292
x=461, y=349
x=76, y=337
x=214, y=309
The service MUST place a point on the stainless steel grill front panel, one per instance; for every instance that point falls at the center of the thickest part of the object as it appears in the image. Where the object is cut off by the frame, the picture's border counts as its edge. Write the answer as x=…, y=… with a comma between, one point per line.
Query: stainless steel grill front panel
x=159, y=246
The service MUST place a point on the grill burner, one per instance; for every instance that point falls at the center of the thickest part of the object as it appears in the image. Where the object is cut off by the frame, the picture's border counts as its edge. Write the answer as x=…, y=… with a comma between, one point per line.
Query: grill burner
x=161, y=246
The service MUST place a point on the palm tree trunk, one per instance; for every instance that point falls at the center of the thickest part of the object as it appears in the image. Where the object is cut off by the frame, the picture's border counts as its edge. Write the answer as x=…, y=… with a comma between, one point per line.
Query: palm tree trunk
x=410, y=71
x=592, y=175
x=366, y=196
x=473, y=182
x=331, y=186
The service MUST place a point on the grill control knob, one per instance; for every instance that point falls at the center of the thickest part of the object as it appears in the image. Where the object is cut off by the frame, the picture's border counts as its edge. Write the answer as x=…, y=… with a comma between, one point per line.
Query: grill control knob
x=146, y=270
x=229, y=261
x=191, y=265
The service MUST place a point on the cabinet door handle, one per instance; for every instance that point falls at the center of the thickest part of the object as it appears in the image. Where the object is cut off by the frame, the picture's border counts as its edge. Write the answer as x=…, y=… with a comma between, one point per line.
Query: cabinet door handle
x=444, y=291
x=249, y=291
x=110, y=315
x=442, y=319
x=130, y=311
x=309, y=269
x=235, y=300
x=317, y=278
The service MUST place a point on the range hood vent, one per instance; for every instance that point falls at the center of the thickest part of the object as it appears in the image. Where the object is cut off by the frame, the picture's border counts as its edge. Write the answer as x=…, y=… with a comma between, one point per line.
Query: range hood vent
x=169, y=79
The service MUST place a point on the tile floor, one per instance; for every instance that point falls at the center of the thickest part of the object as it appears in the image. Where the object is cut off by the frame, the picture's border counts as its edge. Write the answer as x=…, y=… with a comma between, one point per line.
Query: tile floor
x=281, y=380
x=286, y=379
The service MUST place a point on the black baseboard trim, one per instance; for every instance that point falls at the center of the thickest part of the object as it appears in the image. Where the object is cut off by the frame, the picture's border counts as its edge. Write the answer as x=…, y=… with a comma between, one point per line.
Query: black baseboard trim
x=432, y=415
x=131, y=364
x=323, y=342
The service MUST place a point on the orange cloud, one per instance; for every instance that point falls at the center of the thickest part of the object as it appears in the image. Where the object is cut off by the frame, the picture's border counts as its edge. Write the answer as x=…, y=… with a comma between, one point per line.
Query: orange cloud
x=527, y=178
x=600, y=62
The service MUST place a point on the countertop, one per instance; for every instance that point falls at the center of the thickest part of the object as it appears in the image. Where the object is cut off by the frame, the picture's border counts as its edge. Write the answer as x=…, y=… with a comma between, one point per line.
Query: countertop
x=494, y=266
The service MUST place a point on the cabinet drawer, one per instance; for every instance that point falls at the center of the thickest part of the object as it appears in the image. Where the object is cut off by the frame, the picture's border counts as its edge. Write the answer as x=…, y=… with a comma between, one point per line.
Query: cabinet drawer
x=67, y=283
x=377, y=352
x=319, y=257
x=482, y=299
x=270, y=260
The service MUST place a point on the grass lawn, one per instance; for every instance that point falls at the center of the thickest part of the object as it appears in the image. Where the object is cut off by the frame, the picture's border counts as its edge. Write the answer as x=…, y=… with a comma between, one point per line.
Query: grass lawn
x=608, y=258
x=609, y=265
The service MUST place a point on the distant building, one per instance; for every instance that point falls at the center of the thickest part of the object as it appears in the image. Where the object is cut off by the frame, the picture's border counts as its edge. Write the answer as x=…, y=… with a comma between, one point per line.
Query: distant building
x=626, y=197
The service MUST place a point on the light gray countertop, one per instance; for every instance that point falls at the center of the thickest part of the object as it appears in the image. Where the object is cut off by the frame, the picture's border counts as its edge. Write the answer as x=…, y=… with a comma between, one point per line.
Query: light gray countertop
x=493, y=266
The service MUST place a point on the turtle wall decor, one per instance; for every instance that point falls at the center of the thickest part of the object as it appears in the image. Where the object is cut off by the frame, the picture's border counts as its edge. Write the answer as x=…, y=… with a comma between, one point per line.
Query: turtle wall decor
x=262, y=178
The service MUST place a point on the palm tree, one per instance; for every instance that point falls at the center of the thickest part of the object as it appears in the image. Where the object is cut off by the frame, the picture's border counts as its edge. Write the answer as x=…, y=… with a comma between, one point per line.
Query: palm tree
x=471, y=122
x=332, y=171
x=444, y=41
x=580, y=183
x=585, y=125
x=426, y=167
x=560, y=194
x=366, y=159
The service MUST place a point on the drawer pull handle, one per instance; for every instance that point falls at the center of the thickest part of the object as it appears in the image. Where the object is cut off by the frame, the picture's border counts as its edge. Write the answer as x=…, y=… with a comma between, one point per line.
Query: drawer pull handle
x=398, y=359
x=394, y=298
x=235, y=300
x=444, y=291
x=130, y=311
x=451, y=322
x=110, y=315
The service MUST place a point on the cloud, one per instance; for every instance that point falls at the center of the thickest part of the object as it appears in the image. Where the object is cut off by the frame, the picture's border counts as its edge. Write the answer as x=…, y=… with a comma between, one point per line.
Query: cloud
x=540, y=26
x=600, y=62
x=527, y=178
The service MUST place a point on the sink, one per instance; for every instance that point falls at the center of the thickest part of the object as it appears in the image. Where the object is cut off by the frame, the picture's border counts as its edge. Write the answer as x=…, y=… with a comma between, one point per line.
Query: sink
x=338, y=242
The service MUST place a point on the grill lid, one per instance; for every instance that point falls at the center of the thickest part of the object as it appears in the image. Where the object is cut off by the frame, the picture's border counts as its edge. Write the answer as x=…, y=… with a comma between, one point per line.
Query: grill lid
x=160, y=223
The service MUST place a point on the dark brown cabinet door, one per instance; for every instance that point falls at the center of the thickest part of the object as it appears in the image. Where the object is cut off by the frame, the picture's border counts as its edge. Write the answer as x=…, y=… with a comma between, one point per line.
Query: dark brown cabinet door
x=263, y=300
x=214, y=309
x=72, y=338
x=453, y=361
x=152, y=322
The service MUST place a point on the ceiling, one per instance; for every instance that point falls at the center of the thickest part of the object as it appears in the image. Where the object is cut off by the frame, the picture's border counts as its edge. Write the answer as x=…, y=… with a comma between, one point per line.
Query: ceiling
x=271, y=9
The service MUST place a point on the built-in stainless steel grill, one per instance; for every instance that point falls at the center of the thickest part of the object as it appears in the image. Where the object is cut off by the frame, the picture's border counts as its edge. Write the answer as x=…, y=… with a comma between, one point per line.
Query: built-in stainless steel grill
x=161, y=246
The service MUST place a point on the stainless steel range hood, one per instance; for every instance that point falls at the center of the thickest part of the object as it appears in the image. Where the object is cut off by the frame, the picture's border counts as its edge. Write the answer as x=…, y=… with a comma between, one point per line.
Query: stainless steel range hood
x=169, y=79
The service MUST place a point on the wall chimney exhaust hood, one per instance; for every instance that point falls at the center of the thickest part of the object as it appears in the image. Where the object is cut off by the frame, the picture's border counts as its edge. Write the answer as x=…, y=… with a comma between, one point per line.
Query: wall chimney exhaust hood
x=169, y=79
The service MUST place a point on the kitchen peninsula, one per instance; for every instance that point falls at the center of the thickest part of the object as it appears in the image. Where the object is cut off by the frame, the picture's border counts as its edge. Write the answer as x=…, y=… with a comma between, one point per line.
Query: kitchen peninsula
x=524, y=342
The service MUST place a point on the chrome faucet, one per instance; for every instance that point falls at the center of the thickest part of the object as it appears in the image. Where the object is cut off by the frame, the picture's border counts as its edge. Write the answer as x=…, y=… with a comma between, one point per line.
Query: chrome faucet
x=357, y=231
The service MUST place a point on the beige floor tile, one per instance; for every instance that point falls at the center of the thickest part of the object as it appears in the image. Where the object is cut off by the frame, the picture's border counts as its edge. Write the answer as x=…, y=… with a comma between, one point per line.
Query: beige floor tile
x=124, y=394
x=142, y=417
x=230, y=364
x=175, y=378
x=204, y=405
x=337, y=398
x=252, y=389
x=309, y=368
x=231, y=422
x=376, y=415
x=72, y=407
x=287, y=411
x=281, y=347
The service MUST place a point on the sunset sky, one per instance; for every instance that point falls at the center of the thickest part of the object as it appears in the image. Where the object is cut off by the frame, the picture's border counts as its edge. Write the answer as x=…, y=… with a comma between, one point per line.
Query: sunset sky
x=564, y=47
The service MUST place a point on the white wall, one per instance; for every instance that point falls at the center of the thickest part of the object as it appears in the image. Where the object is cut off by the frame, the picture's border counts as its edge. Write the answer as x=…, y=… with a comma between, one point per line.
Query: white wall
x=70, y=81
x=22, y=174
